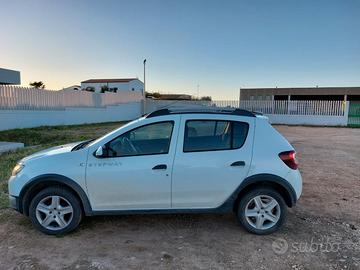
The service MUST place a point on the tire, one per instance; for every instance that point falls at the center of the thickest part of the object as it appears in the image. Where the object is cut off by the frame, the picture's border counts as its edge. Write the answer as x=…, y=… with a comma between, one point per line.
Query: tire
x=251, y=216
x=59, y=210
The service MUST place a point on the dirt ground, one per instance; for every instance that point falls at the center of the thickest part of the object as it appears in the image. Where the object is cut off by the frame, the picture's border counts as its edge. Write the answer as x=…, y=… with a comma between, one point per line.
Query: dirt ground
x=321, y=232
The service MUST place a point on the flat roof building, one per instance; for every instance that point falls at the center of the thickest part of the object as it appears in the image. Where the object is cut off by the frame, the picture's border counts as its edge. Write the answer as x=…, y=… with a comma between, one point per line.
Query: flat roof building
x=8, y=76
x=301, y=93
x=113, y=85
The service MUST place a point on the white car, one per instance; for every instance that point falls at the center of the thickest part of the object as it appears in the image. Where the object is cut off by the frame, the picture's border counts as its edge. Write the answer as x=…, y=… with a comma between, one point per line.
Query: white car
x=169, y=161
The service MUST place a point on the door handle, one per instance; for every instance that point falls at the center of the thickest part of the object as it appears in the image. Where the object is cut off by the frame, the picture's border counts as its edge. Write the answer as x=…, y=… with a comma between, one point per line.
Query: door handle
x=238, y=163
x=160, y=167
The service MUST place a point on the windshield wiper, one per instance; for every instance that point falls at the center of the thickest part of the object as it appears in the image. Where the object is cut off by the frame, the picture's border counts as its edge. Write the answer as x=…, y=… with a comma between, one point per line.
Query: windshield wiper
x=82, y=145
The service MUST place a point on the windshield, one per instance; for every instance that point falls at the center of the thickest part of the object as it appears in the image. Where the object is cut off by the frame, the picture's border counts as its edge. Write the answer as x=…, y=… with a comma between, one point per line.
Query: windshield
x=112, y=132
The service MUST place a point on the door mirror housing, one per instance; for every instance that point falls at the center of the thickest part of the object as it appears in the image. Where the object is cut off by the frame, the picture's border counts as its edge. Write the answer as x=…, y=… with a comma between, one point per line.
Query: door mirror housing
x=99, y=152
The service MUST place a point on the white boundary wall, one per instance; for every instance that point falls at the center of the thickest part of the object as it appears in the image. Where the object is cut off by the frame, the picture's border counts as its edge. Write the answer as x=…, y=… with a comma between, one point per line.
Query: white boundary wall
x=309, y=120
x=295, y=113
x=23, y=98
x=10, y=119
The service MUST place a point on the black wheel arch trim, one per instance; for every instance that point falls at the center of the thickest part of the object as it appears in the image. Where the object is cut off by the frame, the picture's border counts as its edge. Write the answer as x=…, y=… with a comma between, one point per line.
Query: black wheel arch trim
x=56, y=178
x=262, y=178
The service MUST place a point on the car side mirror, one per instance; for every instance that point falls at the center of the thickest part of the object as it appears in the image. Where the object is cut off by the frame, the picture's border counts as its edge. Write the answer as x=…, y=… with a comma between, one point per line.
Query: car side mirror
x=99, y=152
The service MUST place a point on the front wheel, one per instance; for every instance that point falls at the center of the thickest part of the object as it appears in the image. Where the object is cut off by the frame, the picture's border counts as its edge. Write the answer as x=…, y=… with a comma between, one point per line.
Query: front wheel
x=55, y=210
x=261, y=211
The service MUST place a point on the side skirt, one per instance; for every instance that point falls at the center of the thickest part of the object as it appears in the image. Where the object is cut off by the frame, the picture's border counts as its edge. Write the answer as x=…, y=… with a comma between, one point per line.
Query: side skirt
x=219, y=210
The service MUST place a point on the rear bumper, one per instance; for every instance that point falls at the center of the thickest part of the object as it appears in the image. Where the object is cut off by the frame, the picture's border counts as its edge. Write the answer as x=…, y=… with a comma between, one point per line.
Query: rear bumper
x=294, y=178
x=14, y=203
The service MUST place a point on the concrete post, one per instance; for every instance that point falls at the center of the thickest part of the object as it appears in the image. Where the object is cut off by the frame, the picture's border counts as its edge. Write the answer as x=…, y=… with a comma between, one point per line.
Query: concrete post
x=346, y=113
x=288, y=104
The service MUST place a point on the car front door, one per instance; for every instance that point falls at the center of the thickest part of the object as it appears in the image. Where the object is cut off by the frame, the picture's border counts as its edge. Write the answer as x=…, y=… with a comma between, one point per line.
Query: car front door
x=213, y=156
x=134, y=172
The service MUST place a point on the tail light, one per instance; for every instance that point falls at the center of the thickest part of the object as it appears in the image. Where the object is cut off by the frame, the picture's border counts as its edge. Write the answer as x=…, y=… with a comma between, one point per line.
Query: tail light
x=289, y=158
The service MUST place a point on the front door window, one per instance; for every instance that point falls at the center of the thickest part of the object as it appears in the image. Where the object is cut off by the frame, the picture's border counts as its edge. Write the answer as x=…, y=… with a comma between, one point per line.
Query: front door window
x=152, y=139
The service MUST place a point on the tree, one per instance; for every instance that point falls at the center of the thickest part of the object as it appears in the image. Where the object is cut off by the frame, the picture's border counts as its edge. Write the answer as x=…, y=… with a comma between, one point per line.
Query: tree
x=154, y=94
x=104, y=88
x=38, y=85
x=89, y=89
x=205, y=98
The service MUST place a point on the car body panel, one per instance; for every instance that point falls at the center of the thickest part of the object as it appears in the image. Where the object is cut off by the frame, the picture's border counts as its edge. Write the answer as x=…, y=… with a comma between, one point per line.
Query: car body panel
x=268, y=144
x=130, y=183
x=60, y=161
x=205, y=179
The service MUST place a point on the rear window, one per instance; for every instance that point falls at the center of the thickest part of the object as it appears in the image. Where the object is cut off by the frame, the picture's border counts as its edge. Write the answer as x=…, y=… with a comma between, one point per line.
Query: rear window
x=212, y=135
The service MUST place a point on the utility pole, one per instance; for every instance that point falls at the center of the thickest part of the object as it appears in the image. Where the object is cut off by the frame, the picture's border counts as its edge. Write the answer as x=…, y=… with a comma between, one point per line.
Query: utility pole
x=198, y=92
x=144, y=91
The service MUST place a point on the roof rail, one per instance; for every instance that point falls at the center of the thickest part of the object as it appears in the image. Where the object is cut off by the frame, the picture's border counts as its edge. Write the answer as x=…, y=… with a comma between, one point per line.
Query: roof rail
x=209, y=110
x=158, y=113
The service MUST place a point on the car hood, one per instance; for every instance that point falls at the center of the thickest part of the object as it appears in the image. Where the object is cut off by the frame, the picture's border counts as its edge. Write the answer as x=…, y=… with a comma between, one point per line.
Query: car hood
x=51, y=151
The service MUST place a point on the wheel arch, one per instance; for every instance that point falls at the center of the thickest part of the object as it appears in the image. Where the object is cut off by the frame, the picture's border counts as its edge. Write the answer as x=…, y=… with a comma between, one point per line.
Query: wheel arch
x=262, y=180
x=43, y=181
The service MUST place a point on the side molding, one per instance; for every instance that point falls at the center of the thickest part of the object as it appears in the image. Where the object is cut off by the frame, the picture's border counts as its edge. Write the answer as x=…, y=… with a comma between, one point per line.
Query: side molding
x=56, y=178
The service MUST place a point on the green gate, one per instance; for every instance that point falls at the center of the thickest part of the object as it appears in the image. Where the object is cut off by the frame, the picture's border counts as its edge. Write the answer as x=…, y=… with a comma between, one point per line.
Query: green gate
x=354, y=114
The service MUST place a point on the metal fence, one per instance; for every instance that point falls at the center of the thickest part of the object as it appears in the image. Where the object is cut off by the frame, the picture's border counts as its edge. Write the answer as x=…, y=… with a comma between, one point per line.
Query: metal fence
x=354, y=114
x=22, y=98
x=292, y=107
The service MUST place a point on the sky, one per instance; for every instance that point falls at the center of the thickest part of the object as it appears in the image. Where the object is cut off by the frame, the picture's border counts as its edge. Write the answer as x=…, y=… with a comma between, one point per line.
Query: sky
x=219, y=45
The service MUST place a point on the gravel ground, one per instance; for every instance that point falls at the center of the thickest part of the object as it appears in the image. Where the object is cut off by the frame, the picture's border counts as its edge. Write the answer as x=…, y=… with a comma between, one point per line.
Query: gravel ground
x=321, y=232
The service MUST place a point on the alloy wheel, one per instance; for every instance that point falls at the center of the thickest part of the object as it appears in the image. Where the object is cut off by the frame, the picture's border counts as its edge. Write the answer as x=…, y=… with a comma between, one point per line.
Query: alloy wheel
x=262, y=212
x=54, y=212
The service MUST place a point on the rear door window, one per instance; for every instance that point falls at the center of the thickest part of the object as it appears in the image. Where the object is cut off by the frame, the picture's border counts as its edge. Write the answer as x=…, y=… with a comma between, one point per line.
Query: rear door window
x=213, y=135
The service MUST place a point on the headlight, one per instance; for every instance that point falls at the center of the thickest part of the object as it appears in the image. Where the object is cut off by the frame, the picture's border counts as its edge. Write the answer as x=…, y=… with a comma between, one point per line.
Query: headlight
x=18, y=167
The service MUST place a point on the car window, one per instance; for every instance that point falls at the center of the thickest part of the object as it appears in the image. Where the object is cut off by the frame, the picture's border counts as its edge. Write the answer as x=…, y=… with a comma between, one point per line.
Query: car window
x=150, y=139
x=240, y=131
x=211, y=135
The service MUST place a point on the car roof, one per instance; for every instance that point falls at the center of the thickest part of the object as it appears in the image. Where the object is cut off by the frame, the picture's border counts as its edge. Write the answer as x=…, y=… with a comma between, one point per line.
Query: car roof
x=207, y=110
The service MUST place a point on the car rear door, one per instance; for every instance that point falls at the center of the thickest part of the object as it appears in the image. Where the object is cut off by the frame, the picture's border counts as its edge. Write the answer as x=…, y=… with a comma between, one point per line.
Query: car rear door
x=212, y=158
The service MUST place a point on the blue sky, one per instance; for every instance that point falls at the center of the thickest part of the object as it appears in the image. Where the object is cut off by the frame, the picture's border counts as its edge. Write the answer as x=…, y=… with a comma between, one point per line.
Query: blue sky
x=220, y=45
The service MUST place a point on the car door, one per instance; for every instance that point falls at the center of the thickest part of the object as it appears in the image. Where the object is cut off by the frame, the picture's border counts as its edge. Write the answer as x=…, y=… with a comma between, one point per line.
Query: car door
x=135, y=171
x=213, y=156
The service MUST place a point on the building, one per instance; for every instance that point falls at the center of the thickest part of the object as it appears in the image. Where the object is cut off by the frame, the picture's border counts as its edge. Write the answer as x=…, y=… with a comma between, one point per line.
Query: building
x=8, y=76
x=72, y=88
x=301, y=93
x=113, y=85
x=175, y=97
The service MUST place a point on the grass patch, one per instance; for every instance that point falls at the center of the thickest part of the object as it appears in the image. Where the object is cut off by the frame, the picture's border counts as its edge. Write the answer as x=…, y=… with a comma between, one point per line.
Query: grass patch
x=57, y=134
x=4, y=200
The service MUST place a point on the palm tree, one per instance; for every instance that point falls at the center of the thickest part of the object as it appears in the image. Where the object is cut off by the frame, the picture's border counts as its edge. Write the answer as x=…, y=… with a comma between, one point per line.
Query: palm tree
x=38, y=85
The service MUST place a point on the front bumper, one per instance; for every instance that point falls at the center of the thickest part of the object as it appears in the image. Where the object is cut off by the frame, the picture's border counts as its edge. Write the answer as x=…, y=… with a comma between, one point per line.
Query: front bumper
x=14, y=203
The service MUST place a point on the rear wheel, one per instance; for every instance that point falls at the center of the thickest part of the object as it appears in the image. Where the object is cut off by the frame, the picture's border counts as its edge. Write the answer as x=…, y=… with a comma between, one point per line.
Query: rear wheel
x=55, y=210
x=261, y=211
